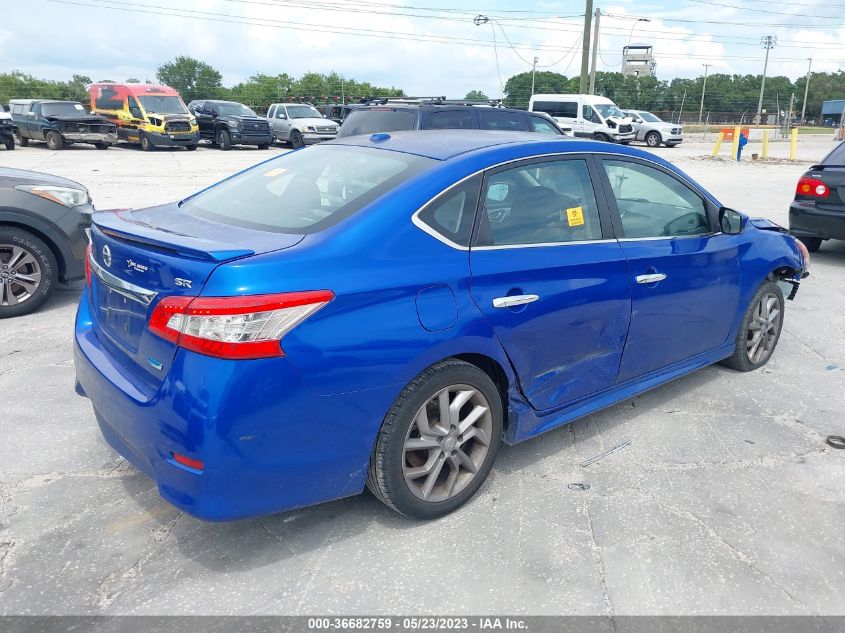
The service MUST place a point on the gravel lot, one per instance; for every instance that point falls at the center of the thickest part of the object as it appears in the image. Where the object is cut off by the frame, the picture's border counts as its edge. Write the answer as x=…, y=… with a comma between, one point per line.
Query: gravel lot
x=727, y=500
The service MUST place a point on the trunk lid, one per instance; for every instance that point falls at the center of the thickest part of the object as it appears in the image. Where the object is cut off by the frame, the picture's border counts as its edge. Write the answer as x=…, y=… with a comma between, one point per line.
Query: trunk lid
x=139, y=257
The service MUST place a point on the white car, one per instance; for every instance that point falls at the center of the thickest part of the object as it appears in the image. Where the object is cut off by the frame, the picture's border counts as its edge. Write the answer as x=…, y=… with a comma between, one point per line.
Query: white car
x=654, y=130
x=589, y=116
x=300, y=124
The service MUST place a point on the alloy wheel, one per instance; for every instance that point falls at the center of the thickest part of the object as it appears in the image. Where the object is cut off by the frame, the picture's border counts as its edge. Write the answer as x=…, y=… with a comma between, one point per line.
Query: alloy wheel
x=763, y=329
x=20, y=275
x=447, y=443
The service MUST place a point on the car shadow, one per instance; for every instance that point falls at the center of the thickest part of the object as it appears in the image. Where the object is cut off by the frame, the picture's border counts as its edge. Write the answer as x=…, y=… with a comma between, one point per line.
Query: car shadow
x=246, y=544
x=831, y=252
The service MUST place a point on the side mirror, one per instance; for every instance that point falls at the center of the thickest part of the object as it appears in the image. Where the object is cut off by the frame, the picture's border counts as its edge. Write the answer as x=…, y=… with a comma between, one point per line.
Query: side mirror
x=731, y=222
x=281, y=115
x=135, y=112
x=214, y=114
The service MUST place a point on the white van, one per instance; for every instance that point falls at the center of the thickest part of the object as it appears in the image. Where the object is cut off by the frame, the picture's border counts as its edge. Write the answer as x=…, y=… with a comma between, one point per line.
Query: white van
x=589, y=116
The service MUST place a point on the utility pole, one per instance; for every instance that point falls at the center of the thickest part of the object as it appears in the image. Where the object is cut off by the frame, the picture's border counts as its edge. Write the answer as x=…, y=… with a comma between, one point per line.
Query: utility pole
x=806, y=89
x=585, y=49
x=595, y=53
x=533, y=72
x=768, y=42
x=703, y=89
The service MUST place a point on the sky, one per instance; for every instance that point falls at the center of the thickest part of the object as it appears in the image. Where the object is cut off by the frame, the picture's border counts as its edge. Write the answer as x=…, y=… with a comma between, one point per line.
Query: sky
x=426, y=47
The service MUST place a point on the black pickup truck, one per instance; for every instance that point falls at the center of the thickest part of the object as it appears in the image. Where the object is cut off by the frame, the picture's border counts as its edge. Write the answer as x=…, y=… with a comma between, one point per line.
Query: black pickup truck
x=60, y=123
x=227, y=123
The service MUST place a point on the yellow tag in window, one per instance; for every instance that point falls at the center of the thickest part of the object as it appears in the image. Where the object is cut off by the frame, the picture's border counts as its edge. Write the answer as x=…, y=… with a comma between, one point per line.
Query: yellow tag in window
x=575, y=216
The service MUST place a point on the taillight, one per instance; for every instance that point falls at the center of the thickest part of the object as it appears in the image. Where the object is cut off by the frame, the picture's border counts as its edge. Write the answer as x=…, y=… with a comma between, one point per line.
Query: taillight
x=234, y=327
x=812, y=187
x=88, y=264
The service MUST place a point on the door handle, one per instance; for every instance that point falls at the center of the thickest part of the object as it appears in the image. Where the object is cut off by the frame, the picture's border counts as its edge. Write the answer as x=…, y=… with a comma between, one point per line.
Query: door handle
x=652, y=278
x=514, y=300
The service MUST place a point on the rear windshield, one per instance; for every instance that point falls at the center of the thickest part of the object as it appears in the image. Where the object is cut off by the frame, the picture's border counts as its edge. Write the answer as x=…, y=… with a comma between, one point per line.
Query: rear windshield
x=836, y=156
x=372, y=121
x=61, y=109
x=306, y=191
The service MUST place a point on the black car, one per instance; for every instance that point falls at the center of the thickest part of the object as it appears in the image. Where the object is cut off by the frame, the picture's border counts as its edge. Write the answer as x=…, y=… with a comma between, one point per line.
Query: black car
x=43, y=222
x=818, y=211
x=227, y=123
x=440, y=114
x=60, y=123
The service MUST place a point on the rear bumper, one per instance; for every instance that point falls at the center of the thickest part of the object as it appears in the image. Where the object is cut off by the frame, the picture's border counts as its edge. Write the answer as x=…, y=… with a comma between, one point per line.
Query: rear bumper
x=87, y=137
x=806, y=220
x=268, y=443
x=173, y=140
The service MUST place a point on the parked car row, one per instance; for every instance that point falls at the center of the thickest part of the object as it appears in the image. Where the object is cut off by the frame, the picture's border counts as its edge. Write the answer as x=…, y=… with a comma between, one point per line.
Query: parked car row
x=599, y=118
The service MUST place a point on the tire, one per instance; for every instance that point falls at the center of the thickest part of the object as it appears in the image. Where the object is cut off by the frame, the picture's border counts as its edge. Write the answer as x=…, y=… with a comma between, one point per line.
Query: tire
x=812, y=243
x=670, y=145
x=22, y=141
x=190, y=148
x=102, y=145
x=146, y=143
x=755, y=345
x=601, y=137
x=22, y=254
x=399, y=476
x=264, y=146
x=54, y=140
x=653, y=139
x=9, y=142
x=224, y=140
x=296, y=139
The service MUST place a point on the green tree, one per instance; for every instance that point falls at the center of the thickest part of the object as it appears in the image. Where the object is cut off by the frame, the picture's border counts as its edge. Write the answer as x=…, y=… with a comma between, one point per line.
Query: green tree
x=476, y=95
x=518, y=87
x=192, y=78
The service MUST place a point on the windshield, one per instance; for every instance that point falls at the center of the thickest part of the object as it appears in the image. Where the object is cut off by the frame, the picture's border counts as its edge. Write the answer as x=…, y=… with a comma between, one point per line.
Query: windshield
x=306, y=191
x=648, y=116
x=62, y=109
x=303, y=112
x=372, y=121
x=234, y=109
x=608, y=109
x=160, y=104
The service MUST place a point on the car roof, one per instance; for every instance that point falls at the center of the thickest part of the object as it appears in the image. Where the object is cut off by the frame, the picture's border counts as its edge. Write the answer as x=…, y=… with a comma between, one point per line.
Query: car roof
x=19, y=101
x=440, y=144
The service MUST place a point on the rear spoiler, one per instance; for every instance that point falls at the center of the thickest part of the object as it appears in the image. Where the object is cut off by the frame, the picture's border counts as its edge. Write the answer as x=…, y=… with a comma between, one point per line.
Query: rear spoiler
x=820, y=167
x=113, y=225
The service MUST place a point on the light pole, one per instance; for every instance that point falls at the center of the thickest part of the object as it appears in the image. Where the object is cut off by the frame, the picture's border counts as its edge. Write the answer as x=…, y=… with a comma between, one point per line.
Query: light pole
x=633, y=26
x=595, y=53
x=806, y=89
x=533, y=72
x=768, y=42
x=703, y=88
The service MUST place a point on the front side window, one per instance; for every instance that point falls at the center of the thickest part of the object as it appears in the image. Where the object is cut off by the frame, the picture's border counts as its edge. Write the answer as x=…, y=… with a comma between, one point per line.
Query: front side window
x=541, y=126
x=492, y=119
x=162, y=104
x=589, y=114
x=538, y=203
x=654, y=204
x=303, y=192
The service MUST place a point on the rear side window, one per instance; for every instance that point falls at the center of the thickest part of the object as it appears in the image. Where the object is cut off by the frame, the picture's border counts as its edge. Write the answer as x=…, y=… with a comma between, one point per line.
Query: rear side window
x=564, y=109
x=492, y=119
x=372, y=121
x=305, y=191
x=452, y=214
x=451, y=120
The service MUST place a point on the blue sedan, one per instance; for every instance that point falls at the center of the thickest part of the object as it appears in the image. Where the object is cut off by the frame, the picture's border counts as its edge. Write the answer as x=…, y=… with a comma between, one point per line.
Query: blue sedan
x=384, y=311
